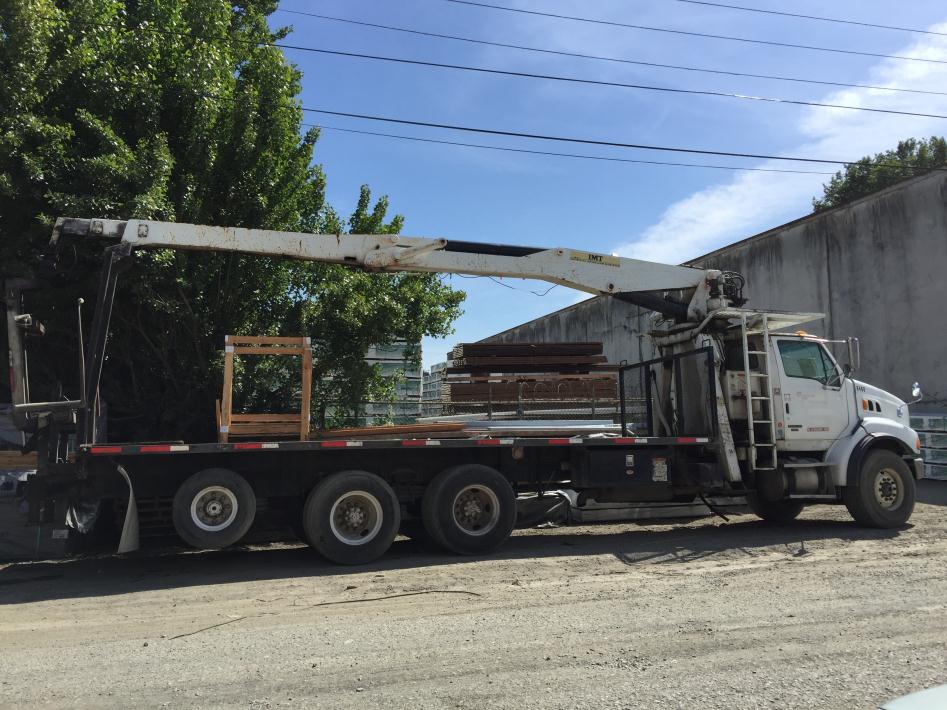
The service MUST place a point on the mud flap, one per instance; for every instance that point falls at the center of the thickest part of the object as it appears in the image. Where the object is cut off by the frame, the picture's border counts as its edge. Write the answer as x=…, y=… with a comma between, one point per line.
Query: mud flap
x=129, y=540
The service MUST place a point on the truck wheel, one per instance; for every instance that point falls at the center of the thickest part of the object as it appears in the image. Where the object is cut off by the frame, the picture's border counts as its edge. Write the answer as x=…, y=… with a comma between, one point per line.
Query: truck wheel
x=213, y=508
x=780, y=511
x=469, y=509
x=352, y=517
x=883, y=495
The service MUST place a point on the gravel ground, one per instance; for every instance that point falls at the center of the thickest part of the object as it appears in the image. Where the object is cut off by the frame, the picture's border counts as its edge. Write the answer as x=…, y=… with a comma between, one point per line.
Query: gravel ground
x=708, y=614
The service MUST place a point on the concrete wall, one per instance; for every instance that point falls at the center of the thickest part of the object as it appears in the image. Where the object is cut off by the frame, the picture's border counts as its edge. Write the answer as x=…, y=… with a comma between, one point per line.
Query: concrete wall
x=877, y=268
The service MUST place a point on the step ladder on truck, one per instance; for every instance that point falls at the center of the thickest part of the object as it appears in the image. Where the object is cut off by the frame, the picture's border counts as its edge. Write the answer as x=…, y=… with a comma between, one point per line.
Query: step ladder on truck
x=799, y=430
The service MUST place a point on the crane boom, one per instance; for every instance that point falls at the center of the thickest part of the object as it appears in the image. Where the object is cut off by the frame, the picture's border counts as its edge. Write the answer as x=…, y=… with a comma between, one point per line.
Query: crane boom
x=634, y=280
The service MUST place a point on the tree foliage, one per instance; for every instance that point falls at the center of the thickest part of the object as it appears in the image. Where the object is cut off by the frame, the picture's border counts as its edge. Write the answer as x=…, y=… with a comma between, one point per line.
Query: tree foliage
x=873, y=173
x=178, y=110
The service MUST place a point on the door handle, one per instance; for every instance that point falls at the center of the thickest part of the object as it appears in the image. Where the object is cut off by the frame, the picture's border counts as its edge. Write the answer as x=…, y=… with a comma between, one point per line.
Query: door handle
x=787, y=407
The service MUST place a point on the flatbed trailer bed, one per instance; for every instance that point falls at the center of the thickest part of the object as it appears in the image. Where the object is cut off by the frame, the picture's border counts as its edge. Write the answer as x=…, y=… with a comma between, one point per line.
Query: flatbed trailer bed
x=630, y=468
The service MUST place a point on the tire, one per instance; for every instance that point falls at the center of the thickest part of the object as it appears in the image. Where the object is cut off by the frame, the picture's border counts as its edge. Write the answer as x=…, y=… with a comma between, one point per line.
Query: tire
x=884, y=492
x=780, y=511
x=351, y=517
x=469, y=509
x=214, y=508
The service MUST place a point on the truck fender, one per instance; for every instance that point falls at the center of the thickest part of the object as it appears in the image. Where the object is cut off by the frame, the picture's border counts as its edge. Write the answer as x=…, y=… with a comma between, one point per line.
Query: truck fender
x=867, y=444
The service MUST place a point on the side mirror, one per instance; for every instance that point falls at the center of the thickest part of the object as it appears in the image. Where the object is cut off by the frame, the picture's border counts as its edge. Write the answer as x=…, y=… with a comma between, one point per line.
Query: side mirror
x=916, y=393
x=854, y=355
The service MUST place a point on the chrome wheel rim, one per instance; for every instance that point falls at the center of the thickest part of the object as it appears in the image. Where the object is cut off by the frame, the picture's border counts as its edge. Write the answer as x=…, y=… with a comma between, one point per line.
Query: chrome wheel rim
x=356, y=518
x=214, y=508
x=889, y=491
x=476, y=510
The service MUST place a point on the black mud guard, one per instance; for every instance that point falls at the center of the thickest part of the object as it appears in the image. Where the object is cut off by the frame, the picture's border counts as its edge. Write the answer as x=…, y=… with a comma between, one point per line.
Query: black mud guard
x=872, y=441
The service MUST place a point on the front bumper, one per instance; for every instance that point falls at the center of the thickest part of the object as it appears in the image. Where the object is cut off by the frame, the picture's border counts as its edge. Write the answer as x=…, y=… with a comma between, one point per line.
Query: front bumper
x=918, y=465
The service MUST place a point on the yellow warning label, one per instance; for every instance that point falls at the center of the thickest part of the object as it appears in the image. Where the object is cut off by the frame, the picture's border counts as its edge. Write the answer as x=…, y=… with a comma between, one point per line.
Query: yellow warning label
x=590, y=258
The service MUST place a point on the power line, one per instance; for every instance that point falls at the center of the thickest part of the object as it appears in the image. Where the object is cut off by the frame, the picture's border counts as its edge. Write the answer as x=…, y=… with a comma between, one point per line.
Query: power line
x=813, y=17
x=506, y=285
x=598, y=82
x=562, y=155
x=553, y=77
x=591, y=141
x=596, y=57
x=729, y=38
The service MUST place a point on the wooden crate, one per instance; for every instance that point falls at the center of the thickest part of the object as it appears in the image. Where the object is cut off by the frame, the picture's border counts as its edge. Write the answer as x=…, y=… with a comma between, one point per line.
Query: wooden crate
x=267, y=426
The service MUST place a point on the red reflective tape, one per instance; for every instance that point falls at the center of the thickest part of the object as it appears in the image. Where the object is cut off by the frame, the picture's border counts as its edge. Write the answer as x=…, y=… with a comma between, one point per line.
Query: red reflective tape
x=414, y=442
x=559, y=441
x=626, y=440
x=106, y=450
x=333, y=444
x=248, y=445
x=687, y=440
x=488, y=442
x=155, y=449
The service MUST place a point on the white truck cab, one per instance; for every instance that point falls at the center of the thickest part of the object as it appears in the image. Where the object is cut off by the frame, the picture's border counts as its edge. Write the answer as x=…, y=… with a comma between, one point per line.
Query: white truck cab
x=806, y=431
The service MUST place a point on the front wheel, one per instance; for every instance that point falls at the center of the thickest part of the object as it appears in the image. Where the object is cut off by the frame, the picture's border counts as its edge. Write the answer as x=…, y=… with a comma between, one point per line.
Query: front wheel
x=351, y=517
x=884, y=491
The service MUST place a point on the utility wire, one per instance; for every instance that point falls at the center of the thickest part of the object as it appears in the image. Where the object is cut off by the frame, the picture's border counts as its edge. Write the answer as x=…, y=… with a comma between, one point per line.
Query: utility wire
x=591, y=141
x=667, y=30
x=585, y=141
x=506, y=285
x=548, y=77
x=812, y=17
x=597, y=57
x=598, y=82
x=562, y=155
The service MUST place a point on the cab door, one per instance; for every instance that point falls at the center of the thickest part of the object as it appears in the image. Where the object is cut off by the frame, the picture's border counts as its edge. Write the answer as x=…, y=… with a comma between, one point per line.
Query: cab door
x=815, y=398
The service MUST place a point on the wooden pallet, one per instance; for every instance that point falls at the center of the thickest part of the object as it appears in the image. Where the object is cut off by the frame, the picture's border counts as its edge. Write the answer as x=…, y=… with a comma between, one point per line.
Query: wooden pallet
x=15, y=461
x=268, y=426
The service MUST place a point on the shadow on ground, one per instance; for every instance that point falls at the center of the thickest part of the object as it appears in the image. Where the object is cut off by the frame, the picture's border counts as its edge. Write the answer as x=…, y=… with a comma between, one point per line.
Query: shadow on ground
x=641, y=545
x=102, y=576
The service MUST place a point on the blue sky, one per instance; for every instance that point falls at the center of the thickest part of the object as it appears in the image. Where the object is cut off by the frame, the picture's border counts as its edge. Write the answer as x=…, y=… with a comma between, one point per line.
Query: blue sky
x=667, y=214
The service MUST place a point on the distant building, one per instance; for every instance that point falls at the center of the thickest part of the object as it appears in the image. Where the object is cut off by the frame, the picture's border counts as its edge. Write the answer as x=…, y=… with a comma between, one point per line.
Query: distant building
x=432, y=388
x=392, y=361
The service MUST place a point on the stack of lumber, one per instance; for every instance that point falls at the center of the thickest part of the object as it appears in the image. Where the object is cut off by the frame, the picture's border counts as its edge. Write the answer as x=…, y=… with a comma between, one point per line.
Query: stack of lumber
x=434, y=430
x=509, y=372
x=932, y=430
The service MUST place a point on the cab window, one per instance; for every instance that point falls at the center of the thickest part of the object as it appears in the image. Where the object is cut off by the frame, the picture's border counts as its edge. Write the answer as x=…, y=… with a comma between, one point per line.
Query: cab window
x=807, y=360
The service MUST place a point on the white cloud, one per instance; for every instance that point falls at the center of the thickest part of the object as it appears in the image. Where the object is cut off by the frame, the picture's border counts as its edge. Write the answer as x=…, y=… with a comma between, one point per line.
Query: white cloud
x=751, y=202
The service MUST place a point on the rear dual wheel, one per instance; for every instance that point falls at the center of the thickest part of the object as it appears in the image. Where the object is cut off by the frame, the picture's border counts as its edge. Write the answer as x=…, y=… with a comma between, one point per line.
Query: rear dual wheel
x=469, y=509
x=351, y=517
x=214, y=508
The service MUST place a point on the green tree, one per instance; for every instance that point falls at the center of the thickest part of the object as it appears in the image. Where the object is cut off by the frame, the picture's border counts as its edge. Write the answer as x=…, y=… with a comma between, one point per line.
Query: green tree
x=181, y=110
x=873, y=173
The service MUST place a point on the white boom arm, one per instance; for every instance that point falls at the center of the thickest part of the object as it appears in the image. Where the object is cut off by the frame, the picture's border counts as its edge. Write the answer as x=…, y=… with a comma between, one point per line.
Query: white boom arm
x=581, y=270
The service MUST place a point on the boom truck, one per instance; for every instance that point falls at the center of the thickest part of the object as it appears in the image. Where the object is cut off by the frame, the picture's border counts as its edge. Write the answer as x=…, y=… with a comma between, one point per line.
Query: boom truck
x=738, y=402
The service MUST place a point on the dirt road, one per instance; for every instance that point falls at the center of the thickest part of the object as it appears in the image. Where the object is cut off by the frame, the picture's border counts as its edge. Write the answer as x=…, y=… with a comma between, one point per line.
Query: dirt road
x=706, y=614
